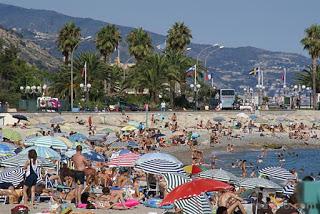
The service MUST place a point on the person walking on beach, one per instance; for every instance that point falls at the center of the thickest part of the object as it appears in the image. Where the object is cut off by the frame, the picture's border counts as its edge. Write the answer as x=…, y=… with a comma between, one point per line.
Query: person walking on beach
x=80, y=163
x=31, y=167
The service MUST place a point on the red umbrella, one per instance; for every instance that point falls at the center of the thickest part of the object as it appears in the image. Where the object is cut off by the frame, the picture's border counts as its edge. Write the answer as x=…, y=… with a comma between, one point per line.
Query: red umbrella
x=192, y=169
x=194, y=188
x=126, y=160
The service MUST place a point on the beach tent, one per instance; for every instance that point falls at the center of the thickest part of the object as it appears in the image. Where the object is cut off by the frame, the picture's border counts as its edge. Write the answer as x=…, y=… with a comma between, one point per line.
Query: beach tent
x=220, y=175
x=197, y=204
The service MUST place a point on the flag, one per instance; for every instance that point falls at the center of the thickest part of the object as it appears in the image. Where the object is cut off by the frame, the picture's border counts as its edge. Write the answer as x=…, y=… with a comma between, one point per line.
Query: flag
x=254, y=71
x=208, y=76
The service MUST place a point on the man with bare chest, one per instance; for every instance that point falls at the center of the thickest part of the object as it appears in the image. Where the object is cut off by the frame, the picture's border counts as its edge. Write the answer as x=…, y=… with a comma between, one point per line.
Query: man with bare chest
x=80, y=163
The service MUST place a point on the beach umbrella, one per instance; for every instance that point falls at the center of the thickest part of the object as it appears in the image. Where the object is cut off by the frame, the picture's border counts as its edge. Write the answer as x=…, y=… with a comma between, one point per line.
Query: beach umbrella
x=78, y=137
x=194, y=188
x=132, y=144
x=88, y=154
x=118, y=144
x=128, y=128
x=15, y=176
x=20, y=160
x=111, y=138
x=43, y=152
x=253, y=117
x=66, y=141
x=107, y=130
x=261, y=120
x=289, y=189
x=83, y=145
x=6, y=149
x=197, y=204
x=124, y=151
x=278, y=173
x=47, y=141
x=11, y=134
x=42, y=126
x=134, y=123
x=20, y=117
x=192, y=169
x=97, y=138
x=220, y=175
x=126, y=160
x=219, y=119
x=159, y=156
x=57, y=120
x=158, y=166
x=242, y=116
x=195, y=135
x=158, y=135
x=252, y=183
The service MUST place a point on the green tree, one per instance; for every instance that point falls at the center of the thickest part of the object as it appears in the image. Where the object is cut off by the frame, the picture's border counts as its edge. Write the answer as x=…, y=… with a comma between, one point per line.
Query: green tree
x=107, y=40
x=305, y=77
x=311, y=43
x=68, y=37
x=152, y=74
x=179, y=37
x=140, y=44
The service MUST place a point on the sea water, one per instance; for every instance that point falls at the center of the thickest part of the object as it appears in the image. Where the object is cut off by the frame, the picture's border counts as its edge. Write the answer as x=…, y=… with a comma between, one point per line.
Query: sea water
x=304, y=161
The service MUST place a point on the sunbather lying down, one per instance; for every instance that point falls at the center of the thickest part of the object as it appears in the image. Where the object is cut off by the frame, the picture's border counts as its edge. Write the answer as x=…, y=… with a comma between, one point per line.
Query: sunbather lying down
x=7, y=189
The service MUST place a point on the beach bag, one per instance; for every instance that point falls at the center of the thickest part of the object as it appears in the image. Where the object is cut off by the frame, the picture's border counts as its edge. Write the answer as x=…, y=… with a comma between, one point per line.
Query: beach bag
x=20, y=209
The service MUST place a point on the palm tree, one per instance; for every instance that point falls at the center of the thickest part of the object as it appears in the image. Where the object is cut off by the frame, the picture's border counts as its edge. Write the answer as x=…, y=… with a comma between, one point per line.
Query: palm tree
x=305, y=77
x=179, y=37
x=107, y=40
x=311, y=43
x=140, y=44
x=68, y=38
x=153, y=74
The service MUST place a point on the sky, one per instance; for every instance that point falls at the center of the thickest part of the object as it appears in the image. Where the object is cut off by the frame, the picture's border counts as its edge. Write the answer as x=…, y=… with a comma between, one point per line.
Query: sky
x=276, y=25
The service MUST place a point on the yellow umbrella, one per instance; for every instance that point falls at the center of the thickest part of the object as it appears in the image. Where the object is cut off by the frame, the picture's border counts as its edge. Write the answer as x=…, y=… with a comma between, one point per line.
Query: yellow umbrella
x=128, y=128
x=66, y=141
x=11, y=135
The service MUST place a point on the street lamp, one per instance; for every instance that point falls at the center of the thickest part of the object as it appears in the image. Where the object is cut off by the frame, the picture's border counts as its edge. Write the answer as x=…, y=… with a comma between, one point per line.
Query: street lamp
x=85, y=87
x=215, y=50
x=71, y=79
x=195, y=88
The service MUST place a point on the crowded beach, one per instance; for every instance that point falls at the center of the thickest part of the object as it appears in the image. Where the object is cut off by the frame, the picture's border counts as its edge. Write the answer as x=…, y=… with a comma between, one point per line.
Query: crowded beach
x=162, y=163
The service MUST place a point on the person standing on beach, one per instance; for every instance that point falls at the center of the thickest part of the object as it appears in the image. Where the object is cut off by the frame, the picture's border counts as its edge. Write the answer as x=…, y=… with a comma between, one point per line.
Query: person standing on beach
x=31, y=167
x=80, y=163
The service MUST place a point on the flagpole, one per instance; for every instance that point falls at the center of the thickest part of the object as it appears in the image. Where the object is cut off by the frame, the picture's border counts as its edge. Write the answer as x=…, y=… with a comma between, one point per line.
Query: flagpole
x=195, y=75
x=285, y=78
x=85, y=74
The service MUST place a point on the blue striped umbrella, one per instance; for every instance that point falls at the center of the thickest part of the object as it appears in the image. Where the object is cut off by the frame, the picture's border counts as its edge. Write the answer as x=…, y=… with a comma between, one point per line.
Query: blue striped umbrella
x=88, y=154
x=47, y=141
x=7, y=149
x=43, y=152
x=252, y=183
x=194, y=205
x=289, y=189
x=20, y=160
x=278, y=173
x=15, y=176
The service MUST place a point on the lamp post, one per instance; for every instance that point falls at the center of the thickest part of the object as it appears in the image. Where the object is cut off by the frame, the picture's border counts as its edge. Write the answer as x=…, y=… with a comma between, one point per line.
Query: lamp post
x=71, y=79
x=309, y=90
x=215, y=50
x=32, y=91
x=195, y=89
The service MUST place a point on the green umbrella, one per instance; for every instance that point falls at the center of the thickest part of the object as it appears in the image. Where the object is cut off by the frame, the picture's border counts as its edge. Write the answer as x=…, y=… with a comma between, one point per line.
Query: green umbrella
x=11, y=134
x=107, y=130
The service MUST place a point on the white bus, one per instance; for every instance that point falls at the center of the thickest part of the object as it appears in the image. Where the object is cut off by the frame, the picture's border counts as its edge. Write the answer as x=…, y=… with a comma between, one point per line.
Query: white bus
x=227, y=98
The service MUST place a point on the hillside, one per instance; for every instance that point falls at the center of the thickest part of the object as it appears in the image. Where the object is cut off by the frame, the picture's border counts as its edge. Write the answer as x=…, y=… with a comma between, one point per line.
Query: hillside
x=229, y=65
x=29, y=51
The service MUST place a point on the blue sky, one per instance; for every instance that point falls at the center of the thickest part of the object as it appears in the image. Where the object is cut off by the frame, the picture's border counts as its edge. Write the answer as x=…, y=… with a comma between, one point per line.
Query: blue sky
x=271, y=24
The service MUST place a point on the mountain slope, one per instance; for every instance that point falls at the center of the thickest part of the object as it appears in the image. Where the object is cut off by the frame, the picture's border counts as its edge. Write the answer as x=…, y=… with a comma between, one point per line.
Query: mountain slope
x=29, y=51
x=229, y=65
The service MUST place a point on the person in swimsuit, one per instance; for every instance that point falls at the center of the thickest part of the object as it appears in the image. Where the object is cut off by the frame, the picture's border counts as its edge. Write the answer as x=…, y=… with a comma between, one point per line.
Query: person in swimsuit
x=80, y=163
x=30, y=166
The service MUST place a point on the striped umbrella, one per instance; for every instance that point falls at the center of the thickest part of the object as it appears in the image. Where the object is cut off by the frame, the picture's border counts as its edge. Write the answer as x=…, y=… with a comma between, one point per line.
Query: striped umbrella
x=66, y=141
x=47, y=141
x=198, y=204
x=289, y=189
x=159, y=156
x=20, y=160
x=251, y=183
x=126, y=160
x=11, y=134
x=220, y=175
x=77, y=137
x=6, y=149
x=88, y=154
x=16, y=176
x=43, y=152
x=57, y=120
x=277, y=173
